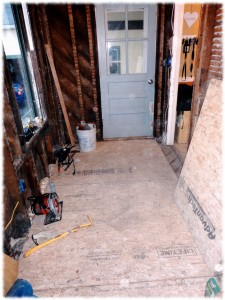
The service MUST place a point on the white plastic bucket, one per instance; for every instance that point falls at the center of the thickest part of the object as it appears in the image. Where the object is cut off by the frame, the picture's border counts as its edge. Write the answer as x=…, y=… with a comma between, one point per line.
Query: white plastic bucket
x=87, y=138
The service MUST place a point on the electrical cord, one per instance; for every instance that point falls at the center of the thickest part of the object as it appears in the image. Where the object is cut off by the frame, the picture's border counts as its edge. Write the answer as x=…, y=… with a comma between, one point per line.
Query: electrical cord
x=12, y=216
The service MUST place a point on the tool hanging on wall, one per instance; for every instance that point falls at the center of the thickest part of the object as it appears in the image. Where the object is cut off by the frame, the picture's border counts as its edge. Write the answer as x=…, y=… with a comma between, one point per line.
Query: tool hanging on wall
x=75, y=229
x=194, y=42
x=187, y=43
x=186, y=49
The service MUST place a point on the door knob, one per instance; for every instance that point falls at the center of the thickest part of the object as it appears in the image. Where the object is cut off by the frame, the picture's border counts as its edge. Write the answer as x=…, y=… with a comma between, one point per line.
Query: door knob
x=150, y=81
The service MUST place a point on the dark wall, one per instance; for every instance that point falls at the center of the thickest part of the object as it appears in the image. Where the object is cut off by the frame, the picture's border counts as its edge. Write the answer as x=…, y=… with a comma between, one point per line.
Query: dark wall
x=164, y=34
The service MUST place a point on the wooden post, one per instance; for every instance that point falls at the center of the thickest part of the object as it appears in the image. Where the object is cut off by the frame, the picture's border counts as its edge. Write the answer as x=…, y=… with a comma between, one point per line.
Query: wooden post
x=55, y=77
x=75, y=58
x=93, y=72
x=40, y=149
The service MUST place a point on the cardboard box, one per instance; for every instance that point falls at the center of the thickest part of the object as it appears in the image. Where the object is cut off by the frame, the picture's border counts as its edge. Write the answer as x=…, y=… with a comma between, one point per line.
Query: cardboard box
x=10, y=272
x=182, y=132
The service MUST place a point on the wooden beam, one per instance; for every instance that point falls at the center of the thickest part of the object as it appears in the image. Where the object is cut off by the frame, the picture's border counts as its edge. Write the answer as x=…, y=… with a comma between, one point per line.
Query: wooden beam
x=57, y=85
x=40, y=149
x=11, y=133
x=11, y=181
x=158, y=90
x=93, y=71
x=32, y=175
x=75, y=58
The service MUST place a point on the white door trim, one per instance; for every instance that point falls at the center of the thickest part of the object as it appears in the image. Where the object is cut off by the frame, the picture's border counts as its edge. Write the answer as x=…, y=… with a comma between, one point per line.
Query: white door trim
x=175, y=67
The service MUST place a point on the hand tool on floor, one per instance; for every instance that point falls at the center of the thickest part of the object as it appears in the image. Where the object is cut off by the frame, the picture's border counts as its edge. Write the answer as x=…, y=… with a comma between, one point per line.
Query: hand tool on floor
x=47, y=204
x=64, y=156
x=75, y=229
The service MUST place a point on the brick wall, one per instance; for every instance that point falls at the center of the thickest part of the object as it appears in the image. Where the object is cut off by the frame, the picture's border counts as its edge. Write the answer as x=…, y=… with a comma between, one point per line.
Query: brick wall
x=209, y=58
x=216, y=67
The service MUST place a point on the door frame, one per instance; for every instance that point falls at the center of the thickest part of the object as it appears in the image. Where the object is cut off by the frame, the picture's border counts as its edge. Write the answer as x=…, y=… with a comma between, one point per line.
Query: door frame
x=175, y=67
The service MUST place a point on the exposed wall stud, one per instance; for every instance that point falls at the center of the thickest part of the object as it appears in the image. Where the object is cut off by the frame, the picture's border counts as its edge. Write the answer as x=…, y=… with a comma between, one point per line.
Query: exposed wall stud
x=93, y=71
x=75, y=58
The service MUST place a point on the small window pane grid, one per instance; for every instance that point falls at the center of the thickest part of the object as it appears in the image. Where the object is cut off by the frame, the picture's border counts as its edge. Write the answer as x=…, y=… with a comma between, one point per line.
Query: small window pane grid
x=23, y=83
x=126, y=41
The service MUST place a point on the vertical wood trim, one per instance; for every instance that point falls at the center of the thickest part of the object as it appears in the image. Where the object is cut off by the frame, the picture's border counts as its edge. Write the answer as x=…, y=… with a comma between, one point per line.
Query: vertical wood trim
x=61, y=99
x=93, y=71
x=75, y=58
x=159, y=70
x=175, y=67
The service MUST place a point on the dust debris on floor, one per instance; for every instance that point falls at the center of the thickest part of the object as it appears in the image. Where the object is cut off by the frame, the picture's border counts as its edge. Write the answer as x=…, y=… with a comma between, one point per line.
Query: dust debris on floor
x=138, y=244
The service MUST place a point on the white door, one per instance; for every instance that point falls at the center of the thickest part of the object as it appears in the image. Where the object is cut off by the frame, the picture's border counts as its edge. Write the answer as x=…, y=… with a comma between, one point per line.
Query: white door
x=126, y=48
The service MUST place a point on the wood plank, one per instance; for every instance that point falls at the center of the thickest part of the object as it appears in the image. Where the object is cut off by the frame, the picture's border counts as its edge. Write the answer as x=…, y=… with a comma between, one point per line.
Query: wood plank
x=10, y=272
x=61, y=99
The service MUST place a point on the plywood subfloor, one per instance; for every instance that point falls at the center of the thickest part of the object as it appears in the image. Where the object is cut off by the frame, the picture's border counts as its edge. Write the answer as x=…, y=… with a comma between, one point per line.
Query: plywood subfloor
x=138, y=245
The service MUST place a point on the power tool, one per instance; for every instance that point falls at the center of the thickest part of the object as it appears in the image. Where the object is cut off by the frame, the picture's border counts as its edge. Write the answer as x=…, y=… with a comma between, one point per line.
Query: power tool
x=47, y=204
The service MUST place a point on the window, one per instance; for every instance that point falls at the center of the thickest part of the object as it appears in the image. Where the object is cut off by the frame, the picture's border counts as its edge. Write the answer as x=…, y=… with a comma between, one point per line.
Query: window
x=126, y=38
x=20, y=67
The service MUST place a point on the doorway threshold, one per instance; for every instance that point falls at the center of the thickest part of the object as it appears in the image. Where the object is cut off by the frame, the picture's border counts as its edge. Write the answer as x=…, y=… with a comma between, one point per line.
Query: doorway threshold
x=128, y=138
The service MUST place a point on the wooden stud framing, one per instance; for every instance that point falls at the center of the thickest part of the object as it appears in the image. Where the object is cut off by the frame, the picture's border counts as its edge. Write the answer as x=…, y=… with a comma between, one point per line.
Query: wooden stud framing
x=11, y=182
x=42, y=154
x=75, y=58
x=11, y=133
x=61, y=99
x=159, y=59
x=49, y=148
x=43, y=20
x=93, y=71
x=32, y=175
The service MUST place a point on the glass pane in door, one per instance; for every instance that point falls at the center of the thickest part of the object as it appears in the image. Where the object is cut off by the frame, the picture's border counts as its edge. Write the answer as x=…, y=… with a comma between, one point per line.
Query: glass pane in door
x=135, y=24
x=115, y=28
x=137, y=56
x=116, y=57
